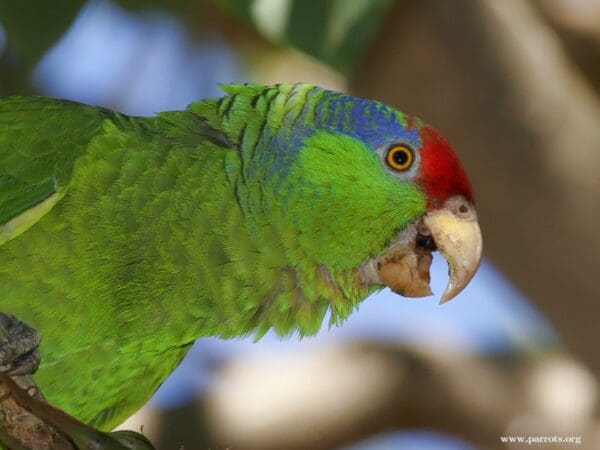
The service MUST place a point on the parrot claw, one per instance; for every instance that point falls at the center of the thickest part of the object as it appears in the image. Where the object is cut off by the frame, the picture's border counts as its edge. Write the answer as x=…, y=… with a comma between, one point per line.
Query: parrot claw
x=78, y=435
x=20, y=357
x=19, y=353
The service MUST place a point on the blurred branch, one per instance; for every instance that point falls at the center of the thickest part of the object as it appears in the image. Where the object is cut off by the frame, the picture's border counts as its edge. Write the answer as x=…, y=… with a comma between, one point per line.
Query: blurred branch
x=358, y=390
x=582, y=16
x=496, y=80
x=578, y=25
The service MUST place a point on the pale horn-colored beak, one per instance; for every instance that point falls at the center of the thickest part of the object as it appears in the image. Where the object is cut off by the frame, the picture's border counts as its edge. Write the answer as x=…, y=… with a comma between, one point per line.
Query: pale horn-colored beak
x=455, y=231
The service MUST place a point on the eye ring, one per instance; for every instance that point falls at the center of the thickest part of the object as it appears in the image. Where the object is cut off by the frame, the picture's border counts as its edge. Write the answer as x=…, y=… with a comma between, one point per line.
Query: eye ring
x=400, y=157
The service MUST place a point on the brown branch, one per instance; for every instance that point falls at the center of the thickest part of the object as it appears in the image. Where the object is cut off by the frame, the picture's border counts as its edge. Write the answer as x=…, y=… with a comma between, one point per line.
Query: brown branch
x=28, y=422
x=19, y=428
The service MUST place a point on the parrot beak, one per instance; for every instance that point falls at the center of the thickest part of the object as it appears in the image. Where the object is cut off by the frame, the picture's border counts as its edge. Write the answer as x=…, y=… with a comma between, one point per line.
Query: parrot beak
x=455, y=231
x=404, y=266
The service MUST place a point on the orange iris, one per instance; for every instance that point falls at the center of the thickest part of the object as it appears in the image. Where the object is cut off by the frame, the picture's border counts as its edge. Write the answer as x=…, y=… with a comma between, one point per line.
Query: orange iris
x=400, y=157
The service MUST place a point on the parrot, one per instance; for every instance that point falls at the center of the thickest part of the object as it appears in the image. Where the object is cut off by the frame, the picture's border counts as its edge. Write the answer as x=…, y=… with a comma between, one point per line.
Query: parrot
x=123, y=239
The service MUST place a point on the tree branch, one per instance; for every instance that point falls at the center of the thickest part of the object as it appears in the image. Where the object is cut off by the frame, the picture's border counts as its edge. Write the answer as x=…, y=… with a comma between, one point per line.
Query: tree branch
x=27, y=422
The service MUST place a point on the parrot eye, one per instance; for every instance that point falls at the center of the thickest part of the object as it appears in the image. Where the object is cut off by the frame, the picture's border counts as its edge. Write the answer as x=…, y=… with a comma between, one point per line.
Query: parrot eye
x=400, y=157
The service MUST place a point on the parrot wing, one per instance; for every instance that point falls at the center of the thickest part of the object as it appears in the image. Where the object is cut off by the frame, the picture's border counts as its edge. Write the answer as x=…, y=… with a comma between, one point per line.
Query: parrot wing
x=40, y=139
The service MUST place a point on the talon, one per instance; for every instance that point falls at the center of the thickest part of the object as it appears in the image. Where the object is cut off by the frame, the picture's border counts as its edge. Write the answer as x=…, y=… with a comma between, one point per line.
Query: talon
x=80, y=435
x=18, y=347
x=25, y=365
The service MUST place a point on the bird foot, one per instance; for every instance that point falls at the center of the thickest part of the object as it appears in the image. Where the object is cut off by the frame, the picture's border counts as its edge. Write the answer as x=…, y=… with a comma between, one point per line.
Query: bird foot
x=26, y=420
x=65, y=432
x=19, y=343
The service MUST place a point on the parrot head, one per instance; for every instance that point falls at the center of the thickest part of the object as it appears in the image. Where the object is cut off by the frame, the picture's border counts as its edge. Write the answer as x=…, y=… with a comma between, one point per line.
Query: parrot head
x=367, y=189
x=449, y=224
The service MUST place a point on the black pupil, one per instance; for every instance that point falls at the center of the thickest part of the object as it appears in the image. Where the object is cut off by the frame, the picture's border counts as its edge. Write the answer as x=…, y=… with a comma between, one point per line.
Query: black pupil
x=400, y=157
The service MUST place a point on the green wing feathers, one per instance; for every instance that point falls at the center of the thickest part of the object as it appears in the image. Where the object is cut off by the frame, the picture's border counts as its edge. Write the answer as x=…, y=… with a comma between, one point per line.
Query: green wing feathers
x=40, y=139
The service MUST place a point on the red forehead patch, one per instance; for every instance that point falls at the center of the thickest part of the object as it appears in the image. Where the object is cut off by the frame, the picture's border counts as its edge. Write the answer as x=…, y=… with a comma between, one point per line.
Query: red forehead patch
x=441, y=174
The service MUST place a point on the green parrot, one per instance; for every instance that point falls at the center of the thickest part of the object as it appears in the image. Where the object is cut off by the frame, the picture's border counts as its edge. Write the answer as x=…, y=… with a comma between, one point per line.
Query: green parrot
x=123, y=239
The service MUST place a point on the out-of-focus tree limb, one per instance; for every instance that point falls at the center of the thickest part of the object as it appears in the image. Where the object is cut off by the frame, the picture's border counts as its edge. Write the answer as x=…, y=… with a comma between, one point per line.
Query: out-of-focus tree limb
x=358, y=390
x=496, y=80
x=578, y=25
x=582, y=16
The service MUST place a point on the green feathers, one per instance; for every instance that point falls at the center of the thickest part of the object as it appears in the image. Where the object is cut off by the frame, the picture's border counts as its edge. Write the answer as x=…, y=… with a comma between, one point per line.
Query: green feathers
x=240, y=214
x=40, y=139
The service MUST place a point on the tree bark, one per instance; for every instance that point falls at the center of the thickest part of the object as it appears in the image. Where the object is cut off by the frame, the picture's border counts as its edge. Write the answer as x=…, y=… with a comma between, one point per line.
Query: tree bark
x=19, y=428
